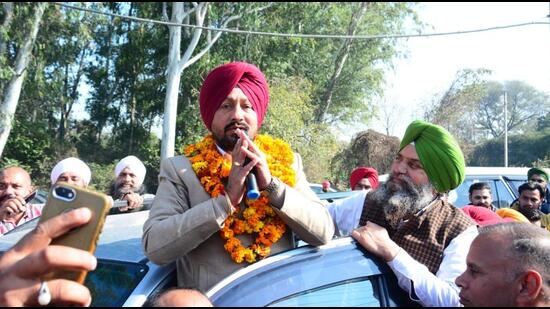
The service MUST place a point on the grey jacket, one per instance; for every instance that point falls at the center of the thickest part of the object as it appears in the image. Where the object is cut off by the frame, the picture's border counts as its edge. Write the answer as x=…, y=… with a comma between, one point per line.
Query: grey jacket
x=184, y=223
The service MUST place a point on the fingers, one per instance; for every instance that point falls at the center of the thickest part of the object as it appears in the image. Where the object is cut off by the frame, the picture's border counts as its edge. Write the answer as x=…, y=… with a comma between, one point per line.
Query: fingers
x=14, y=206
x=54, y=258
x=134, y=200
x=67, y=292
x=43, y=234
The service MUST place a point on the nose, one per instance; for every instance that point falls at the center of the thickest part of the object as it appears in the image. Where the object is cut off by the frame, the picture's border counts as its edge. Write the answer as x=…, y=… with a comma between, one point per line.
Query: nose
x=238, y=113
x=399, y=167
x=460, y=281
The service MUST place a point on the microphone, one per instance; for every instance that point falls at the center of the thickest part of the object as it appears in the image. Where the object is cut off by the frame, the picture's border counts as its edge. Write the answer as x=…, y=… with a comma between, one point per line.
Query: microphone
x=252, y=191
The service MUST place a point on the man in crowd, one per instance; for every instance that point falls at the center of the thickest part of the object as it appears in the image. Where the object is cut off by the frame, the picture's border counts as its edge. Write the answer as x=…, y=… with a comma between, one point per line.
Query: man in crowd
x=528, y=204
x=177, y=297
x=508, y=266
x=201, y=216
x=408, y=223
x=480, y=195
x=15, y=186
x=325, y=186
x=540, y=176
x=346, y=212
x=363, y=178
x=128, y=185
x=73, y=171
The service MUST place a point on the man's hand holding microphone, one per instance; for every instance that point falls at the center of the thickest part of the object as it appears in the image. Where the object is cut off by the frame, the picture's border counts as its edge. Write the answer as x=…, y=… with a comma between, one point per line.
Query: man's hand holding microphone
x=249, y=167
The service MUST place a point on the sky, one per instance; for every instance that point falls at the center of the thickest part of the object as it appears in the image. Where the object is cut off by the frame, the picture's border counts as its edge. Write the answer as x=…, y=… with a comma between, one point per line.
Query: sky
x=521, y=53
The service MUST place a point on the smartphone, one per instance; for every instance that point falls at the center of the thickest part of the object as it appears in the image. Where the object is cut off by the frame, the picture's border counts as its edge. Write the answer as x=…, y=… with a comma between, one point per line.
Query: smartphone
x=65, y=197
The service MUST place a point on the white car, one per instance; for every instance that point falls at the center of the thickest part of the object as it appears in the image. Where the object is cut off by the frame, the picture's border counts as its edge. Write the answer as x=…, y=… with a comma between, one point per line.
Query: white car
x=504, y=183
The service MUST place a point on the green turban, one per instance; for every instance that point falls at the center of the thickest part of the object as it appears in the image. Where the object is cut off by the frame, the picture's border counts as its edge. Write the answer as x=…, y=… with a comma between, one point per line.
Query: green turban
x=537, y=171
x=439, y=154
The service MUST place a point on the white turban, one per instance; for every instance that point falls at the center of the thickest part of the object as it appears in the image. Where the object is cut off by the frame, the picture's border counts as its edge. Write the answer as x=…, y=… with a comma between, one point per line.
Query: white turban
x=71, y=165
x=135, y=165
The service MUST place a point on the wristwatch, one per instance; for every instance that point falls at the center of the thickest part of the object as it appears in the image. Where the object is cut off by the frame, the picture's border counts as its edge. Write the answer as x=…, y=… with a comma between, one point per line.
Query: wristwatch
x=273, y=186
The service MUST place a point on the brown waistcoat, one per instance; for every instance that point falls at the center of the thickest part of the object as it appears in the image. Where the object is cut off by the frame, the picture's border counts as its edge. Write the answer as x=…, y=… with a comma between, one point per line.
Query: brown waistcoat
x=424, y=236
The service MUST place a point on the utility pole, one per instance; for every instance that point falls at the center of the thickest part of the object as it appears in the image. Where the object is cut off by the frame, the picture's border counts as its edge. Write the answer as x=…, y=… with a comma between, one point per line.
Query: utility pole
x=505, y=129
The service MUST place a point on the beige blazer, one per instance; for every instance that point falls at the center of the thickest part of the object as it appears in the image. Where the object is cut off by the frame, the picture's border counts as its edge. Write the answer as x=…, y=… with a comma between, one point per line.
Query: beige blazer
x=184, y=223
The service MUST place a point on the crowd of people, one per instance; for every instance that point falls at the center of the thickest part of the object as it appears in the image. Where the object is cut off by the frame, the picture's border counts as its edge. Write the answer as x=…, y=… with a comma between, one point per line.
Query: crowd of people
x=203, y=220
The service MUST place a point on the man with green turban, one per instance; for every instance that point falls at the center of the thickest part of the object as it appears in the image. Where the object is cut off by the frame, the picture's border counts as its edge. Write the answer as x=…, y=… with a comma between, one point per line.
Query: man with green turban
x=408, y=223
x=540, y=176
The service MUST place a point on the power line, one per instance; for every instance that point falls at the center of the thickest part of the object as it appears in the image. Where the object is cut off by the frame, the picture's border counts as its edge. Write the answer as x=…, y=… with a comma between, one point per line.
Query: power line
x=301, y=35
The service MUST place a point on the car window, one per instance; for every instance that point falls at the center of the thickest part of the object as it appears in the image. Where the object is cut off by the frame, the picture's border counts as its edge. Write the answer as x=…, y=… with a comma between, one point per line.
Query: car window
x=460, y=196
x=503, y=198
x=113, y=281
x=350, y=293
x=515, y=183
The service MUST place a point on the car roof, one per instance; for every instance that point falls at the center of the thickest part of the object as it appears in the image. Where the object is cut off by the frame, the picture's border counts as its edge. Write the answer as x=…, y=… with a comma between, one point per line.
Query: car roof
x=506, y=171
x=338, y=255
x=120, y=238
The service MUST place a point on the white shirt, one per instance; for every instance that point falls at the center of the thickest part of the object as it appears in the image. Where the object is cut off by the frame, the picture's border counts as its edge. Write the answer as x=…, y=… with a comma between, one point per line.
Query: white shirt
x=346, y=213
x=437, y=290
x=432, y=290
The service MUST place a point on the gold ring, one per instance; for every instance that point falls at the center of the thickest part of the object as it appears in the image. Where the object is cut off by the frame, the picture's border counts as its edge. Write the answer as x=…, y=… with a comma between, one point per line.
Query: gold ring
x=236, y=163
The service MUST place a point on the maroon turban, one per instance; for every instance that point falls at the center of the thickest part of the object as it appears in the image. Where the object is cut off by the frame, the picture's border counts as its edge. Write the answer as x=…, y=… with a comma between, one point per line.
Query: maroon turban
x=223, y=79
x=364, y=172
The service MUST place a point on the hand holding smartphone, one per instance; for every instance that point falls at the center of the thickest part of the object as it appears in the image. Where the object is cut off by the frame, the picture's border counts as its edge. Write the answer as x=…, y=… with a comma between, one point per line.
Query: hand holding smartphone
x=64, y=197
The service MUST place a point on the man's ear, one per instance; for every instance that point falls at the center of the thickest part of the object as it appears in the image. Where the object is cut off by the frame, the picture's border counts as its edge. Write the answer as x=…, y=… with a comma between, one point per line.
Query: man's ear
x=531, y=286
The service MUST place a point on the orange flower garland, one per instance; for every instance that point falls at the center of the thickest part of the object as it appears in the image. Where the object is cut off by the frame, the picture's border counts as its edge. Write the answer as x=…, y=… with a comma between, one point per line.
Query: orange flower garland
x=211, y=168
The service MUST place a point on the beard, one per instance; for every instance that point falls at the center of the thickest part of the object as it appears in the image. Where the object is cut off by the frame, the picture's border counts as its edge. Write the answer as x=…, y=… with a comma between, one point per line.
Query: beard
x=532, y=214
x=401, y=200
x=228, y=140
x=119, y=189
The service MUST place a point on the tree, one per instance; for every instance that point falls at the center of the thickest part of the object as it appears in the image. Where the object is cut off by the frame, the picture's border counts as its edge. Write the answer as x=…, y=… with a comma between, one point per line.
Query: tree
x=13, y=88
x=472, y=108
x=456, y=109
x=525, y=106
x=368, y=148
x=340, y=61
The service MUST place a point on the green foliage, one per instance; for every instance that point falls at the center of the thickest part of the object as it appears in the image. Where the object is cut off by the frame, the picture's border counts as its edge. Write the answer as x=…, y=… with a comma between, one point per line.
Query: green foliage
x=7, y=162
x=123, y=66
x=523, y=150
x=543, y=123
x=102, y=176
x=288, y=112
x=544, y=162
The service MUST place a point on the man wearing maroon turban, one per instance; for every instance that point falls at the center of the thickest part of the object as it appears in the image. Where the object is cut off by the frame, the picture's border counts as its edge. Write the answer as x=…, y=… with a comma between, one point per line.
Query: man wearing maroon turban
x=363, y=178
x=201, y=217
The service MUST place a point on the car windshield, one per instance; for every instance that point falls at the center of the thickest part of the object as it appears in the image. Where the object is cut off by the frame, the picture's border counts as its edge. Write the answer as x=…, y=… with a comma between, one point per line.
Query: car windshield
x=113, y=281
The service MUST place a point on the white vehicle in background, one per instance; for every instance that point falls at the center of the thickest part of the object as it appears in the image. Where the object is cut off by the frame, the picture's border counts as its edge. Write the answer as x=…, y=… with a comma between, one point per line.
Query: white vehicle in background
x=504, y=183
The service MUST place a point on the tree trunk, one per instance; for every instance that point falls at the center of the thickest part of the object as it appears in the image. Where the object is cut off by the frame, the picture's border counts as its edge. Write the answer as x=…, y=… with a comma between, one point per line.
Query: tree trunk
x=132, y=121
x=341, y=61
x=172, y=84
x=13, y=89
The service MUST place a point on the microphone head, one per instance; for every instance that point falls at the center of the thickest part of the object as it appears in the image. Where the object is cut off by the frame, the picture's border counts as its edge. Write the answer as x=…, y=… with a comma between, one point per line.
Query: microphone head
x=253, y=194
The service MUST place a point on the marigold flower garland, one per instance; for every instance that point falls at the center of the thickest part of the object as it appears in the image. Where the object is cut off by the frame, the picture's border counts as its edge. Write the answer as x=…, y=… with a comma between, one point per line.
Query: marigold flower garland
x=211, y=168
